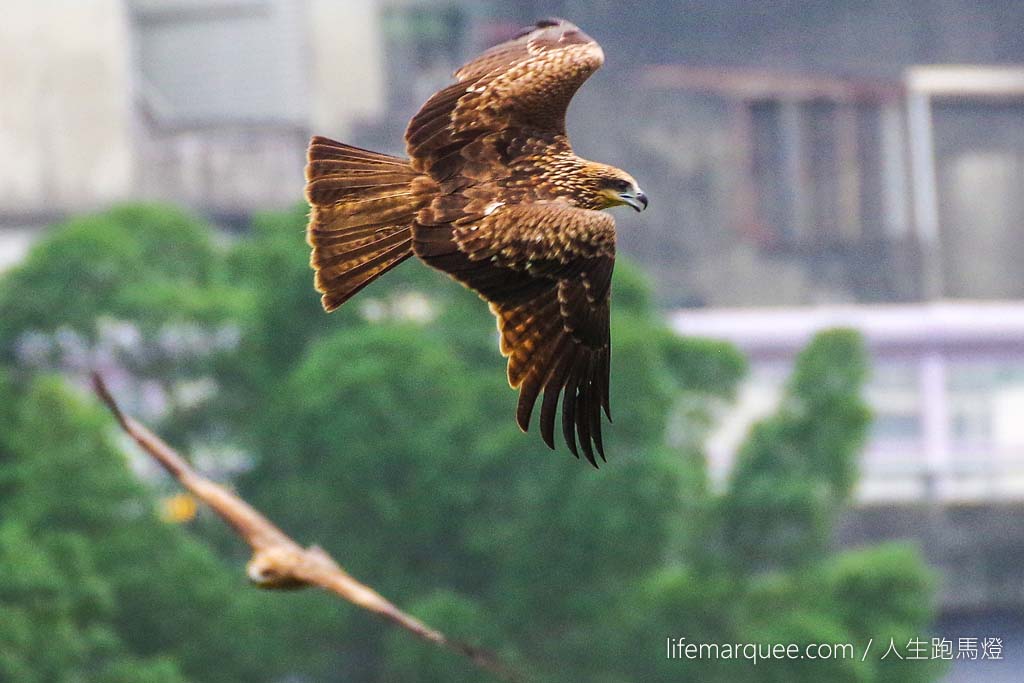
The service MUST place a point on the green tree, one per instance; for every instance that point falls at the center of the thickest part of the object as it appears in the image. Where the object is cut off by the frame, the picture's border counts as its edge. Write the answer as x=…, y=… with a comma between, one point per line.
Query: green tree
x=95, y=585
x=759, y=571
x=151, y=264
x=384, y=432
x=795, y=472
x=396, y=435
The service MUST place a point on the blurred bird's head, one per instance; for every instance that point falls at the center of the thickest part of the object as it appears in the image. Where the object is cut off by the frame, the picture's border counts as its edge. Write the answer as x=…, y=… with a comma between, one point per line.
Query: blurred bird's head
x=613, y=187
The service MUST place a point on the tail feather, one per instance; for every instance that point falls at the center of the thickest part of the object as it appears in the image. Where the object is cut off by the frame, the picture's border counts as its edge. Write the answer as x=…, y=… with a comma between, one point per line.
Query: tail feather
x=322, y=149
x=363, y=205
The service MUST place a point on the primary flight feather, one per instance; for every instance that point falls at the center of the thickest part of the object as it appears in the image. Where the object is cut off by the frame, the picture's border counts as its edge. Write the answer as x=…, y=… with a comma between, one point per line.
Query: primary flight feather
x=493, y=195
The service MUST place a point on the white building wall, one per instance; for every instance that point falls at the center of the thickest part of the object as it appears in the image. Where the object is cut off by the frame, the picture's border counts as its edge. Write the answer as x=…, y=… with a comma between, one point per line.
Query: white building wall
x=65, y=108
x=81, y=124
x=346, y=71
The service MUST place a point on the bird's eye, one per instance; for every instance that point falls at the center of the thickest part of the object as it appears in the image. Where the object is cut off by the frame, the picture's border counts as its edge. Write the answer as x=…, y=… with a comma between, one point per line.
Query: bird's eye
x=621, y=185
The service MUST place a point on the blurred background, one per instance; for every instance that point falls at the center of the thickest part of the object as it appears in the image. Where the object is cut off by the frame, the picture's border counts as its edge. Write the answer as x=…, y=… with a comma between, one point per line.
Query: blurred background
x=811, y=166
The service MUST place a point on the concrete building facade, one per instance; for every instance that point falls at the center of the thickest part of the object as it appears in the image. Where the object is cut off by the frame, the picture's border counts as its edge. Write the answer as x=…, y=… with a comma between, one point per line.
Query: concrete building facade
x=205, y=103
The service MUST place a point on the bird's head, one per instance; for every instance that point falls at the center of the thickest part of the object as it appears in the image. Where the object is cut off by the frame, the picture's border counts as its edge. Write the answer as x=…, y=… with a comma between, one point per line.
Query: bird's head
x=614, y=187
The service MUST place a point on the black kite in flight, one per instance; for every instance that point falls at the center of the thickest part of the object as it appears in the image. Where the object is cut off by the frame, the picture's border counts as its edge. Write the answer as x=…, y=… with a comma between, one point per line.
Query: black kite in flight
x=493, y=195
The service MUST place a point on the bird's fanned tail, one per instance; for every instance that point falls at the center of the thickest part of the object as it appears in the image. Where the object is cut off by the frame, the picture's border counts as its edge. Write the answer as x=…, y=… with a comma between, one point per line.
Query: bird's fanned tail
x=360, y=227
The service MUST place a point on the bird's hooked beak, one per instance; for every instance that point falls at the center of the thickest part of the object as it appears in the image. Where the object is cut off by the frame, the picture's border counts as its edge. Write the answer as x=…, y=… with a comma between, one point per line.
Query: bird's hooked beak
x=635, y=198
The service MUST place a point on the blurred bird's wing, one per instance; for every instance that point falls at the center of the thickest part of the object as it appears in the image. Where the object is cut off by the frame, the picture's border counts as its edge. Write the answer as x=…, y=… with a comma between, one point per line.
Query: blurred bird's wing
x=546, y=270
x=522, y=86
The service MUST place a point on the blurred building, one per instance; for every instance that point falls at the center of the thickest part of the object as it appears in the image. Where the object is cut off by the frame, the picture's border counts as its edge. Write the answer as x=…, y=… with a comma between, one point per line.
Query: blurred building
x=202, y=102
x=808, y=189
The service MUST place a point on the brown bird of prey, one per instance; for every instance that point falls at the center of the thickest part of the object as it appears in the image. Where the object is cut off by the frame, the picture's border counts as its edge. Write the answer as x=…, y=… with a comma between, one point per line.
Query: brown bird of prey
x=493, y=195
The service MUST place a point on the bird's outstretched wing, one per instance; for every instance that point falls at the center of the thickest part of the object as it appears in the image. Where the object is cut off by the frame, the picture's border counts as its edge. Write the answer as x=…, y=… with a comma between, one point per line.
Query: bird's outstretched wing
x=521, y=86
x=546, y=270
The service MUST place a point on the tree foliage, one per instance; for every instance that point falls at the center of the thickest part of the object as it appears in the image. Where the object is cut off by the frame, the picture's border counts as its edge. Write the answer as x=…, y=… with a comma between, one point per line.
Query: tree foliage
x=385, y=433
x=96, y=586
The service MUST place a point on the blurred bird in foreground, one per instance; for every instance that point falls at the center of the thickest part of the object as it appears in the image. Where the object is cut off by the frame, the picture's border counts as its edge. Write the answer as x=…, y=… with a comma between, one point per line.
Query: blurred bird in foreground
x=493, y=195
